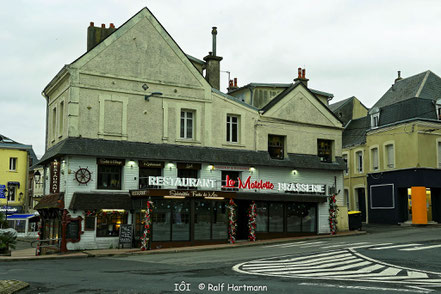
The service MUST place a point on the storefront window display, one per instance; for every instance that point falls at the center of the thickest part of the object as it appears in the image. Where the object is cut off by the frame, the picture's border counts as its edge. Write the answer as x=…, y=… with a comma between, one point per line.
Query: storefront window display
x=108, y=223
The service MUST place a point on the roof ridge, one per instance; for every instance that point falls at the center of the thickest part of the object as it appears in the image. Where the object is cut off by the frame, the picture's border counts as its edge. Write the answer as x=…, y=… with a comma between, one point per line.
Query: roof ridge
x=422, y=84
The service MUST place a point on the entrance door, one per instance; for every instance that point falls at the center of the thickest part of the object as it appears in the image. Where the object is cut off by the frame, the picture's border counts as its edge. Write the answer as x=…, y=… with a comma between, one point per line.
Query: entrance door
x=242, y=219
x=362, y=203
x=429, y=204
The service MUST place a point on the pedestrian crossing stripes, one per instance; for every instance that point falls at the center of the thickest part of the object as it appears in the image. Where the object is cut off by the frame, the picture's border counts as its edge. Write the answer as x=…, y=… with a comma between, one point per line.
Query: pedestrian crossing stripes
x=357, y=245
x=346, y=264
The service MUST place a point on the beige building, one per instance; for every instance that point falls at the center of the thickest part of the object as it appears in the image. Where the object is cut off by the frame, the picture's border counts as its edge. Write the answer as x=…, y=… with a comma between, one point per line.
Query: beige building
x=393, y=147
x=134, y=119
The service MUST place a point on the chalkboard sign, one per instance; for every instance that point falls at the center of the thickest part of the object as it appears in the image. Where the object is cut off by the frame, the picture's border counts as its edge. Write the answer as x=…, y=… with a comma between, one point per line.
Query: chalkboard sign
x=126, y=235
x=73, y=230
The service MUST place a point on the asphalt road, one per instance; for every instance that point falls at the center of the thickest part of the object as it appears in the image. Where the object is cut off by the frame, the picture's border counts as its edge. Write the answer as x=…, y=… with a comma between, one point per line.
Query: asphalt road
x=386, y=260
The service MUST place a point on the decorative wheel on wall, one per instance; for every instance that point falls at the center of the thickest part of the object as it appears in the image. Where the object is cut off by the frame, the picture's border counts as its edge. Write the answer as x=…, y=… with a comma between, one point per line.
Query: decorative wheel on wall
x=83, y=175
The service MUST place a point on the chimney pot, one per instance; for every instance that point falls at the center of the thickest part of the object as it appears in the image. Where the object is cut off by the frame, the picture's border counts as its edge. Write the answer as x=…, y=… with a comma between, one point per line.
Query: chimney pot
x=103, y=26
x=92, y=24
x=231, y=84
x=112, y=25
x=235, y=82
x=300, y=73
x=303, y=73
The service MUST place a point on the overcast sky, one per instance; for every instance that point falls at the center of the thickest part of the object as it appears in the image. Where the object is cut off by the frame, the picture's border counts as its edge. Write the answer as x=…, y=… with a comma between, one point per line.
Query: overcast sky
x=349, y=48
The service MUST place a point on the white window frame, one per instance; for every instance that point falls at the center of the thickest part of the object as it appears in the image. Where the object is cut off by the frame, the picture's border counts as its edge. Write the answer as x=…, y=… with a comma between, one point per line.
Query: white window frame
x=371, y=158
x=356, y=161
x=54, y=123
x=14, y=193
x=386, y=156
x=347, y=170
x=186, y=119
x=347, y=197
x=230, y=125
x=375, y=117
x=13, y=163
x=438, y=109
x=61, y=119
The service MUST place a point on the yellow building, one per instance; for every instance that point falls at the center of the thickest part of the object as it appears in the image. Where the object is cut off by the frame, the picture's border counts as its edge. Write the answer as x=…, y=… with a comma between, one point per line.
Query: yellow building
x=394, y=149
x=15, y=159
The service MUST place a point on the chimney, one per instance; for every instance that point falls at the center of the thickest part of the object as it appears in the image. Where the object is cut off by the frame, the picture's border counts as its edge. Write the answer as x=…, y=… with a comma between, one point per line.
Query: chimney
x=233, y=85
x=96, y=34
x=235, y=82
x=399, y=76
x=301, y=77
x=212, y=71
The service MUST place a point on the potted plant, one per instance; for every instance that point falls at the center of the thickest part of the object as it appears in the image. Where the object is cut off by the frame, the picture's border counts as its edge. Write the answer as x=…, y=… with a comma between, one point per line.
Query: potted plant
x=8, y=237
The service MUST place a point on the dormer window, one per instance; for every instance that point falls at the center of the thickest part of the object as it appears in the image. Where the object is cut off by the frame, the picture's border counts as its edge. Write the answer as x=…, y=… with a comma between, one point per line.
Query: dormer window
x=375, y=117
x=276, y=146
x=438, y=109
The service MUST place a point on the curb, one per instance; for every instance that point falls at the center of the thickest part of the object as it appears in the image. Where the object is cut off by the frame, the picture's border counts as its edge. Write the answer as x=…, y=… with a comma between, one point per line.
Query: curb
x=134, y=251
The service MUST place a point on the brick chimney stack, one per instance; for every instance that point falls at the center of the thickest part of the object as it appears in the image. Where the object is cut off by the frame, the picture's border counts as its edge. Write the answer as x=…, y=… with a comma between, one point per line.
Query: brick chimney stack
x=302, y=77
x=96, y=34
x=232, y=85
x=212, y=71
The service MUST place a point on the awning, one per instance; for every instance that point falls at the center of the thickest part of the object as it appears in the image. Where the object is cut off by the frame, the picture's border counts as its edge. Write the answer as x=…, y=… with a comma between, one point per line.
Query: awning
x=19, y=216
x=14, y=184
x=92, y=201
x=287, y=197
x=51, y=201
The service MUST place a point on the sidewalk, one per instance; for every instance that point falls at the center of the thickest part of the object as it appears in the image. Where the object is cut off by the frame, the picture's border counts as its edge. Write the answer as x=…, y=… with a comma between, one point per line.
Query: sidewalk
x=29, y=253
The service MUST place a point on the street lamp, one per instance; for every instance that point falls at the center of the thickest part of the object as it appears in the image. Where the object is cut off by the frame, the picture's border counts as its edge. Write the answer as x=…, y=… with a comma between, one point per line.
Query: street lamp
x=37, y=177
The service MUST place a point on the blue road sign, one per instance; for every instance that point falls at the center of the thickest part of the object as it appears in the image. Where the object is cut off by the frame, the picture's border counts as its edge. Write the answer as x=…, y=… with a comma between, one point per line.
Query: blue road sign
x=2, y=191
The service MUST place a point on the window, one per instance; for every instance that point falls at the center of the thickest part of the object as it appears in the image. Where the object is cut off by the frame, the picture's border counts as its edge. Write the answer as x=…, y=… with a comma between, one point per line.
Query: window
x=324, y=150
x=54, y=123
x=276, y=146
x=375, y=117
x=390, y=155
x=233, y=175
x=359, y=161
x=210, y=220
x=61, y=119
x=89, y=223
x=232, y=128
x=438, y=109
x=374, y=158
x=301, y=217
x=345, y=159
x=187, y=124
x=12, y=163
x=145, y=173
x=11, y=193
x=108, y=224
x=109, y=177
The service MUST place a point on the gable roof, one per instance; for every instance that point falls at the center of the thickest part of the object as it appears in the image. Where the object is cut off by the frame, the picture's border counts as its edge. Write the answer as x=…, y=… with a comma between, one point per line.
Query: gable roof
x=65, y=67
x=425, y=85
x=282, y=95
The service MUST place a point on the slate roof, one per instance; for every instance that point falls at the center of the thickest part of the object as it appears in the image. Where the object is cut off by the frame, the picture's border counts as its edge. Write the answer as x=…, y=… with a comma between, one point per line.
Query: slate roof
x=51, y=201
x=8, y=143
x=235, y=99
x=425, y=85
x=90, y=201
x=335, y=106
x=280, y=85
x=355, y=132
x=182, y=153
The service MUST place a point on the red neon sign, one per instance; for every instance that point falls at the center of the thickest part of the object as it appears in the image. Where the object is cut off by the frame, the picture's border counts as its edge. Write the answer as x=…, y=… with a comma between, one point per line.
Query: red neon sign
x=230, y=183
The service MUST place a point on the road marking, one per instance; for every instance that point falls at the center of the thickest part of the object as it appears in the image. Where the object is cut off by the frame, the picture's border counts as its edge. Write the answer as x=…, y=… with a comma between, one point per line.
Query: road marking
x=345, y=244
x=421, y=248
x=417, y=289
x=341, y=265
x=285, y=244
x=394, y=246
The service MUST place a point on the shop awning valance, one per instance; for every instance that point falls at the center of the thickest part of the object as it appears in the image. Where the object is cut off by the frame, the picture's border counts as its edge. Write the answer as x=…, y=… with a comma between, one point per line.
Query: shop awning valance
x=95, y=201
x=14, y=184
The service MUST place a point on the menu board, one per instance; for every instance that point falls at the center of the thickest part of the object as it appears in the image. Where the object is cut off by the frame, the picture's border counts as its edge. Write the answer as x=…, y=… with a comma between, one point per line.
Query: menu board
x=126, y=235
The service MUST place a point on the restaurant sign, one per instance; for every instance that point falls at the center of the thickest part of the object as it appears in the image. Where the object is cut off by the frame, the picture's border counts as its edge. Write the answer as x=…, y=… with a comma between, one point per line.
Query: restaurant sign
x=247, y=184
x=55, y=177
x=180, y=193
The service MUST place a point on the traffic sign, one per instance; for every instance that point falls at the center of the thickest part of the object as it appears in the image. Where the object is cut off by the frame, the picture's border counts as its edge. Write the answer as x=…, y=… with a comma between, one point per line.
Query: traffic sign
x=2, y=191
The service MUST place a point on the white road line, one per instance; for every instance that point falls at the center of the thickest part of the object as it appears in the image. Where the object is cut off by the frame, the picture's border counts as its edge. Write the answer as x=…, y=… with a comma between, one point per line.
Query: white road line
x=293, y=267
x=421, y=248
x=345, y=244
x=369, y=245
x=394, y=246
x=311, y=244
x=300, y=263
x=286, y=244
x=417, y=289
